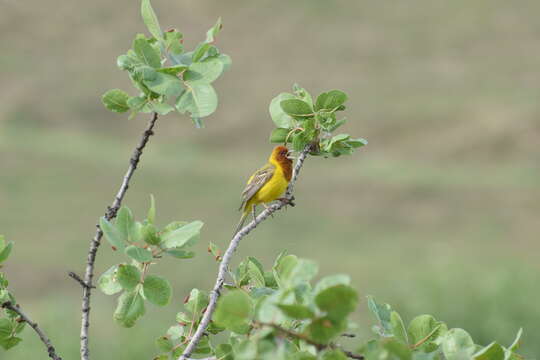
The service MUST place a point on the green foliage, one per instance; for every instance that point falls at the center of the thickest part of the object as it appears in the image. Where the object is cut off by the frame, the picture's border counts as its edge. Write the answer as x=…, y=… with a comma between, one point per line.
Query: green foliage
x=300, y=122
x=280, y=314
x=167, y=76
x=10, y=323
x=144, y=245
x=426, y=338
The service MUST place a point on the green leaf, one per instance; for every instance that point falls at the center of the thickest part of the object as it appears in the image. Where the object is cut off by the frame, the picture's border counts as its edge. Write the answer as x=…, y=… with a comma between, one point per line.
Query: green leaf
x=203, y=347
x=493, y=351
x=323, y=330
x=398, y=328
x=226, y=61
x=197, y=301
x=125, y=224
x=173, y=70
x=185, y=235
x=400, y=350
x=5, y=250
x=204, y=72
x=214, y=31
x=255, y=274
x=180, y=254
x=356, y=143
x=6, y=328
x=303, y=94
x=157, y=290
x=108, y=283
x=279, y=135
x=338, y=301
x=175, y=332
x=139, y=254
x=330, y=100
x=164, y=84
x=296, y=108
x=9, y=342
x=130, y=308
x=199, y=99
x=424, y=328
x=234, y=311
x=200, y=51
x=296, y=311
x=113, y=236
x=128, y=276
x=224, y=352
x=280, y=117
x=116, y=100
x=332, y=280
x=151, y=217
x=163, y=343
x=128, y=61
x=150, y=19
x=137, y=103
x=149, y=234
x=334, y=355
x=382, y=313
x=457, y=345
x=144, y=51
x=161, y=108
x=173, y=42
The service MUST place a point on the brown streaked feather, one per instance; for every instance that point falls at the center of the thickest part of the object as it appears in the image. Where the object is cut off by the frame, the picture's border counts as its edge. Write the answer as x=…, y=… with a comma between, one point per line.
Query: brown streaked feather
x=256, y=182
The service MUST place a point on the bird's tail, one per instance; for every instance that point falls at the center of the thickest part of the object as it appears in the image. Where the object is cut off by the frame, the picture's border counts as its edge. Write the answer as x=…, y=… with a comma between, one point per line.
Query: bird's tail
x=241, y=222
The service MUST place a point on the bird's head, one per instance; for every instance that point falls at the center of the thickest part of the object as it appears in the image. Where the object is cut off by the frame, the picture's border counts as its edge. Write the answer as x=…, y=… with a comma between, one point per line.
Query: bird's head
x=281, y=154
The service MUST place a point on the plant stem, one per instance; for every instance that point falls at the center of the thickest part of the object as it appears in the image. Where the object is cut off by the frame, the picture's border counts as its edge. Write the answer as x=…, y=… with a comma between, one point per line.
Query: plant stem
x=96, y=241
x=44, y=339
x=305, y=338
x=223, y=266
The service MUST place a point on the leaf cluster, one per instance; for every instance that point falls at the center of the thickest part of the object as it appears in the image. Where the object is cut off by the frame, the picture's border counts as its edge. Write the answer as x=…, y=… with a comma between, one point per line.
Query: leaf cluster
x=168, y=76
x=426, y=338
x=11, y=325
x=269, y=314
x=280, y=314
x=143, y=244
x=301, y=120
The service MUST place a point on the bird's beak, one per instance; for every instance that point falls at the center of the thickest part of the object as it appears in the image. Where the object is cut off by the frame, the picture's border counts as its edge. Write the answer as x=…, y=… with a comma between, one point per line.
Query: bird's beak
x=290, y=155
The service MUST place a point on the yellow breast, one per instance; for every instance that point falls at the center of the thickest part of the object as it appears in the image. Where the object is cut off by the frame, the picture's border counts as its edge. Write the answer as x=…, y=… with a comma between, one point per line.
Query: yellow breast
x=273, y=189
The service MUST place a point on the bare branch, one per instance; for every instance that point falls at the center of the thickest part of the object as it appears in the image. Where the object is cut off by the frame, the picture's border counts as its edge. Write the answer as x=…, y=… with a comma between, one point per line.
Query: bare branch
x=96, y=241
x=44, y=339
x=223, y=266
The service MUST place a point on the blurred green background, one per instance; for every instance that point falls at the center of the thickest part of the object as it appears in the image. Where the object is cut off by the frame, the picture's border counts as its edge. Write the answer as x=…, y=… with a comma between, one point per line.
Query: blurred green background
x=438, y=214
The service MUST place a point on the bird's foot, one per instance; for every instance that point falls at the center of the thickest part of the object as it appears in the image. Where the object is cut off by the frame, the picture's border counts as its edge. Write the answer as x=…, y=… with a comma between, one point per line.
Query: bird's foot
x=287, y=201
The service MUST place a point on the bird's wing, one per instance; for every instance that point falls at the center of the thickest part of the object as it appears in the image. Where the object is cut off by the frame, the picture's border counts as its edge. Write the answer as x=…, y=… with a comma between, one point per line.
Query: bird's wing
x=256, y=182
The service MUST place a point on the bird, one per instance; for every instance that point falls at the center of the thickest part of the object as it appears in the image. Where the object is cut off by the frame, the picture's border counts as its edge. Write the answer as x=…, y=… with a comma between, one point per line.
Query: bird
x=266, y=184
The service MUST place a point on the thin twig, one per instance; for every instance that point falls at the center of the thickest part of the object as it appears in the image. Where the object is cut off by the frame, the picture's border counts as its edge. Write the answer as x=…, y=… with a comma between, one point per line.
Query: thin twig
x=293, y=334
x=223, y=266
x=96, y=241
x=308, y=340
x=78, y=279
x=44, y=339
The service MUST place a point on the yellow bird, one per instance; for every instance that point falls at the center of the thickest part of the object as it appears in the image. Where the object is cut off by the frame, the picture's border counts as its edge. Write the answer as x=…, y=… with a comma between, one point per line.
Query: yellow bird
x=268, y=183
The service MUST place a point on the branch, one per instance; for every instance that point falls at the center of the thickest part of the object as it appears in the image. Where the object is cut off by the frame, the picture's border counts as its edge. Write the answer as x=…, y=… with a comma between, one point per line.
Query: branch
x=223, y=266
x=44, y=339
x=96, y=241
x=305, y=338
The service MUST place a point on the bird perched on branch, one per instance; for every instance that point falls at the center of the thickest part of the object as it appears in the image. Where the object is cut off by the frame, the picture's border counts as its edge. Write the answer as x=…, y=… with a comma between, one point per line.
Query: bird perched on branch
x=267, y=184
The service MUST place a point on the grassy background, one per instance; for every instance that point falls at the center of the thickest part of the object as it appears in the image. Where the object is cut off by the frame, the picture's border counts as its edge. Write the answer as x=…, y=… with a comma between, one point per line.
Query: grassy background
x=439, y=214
